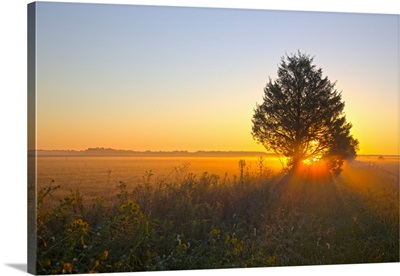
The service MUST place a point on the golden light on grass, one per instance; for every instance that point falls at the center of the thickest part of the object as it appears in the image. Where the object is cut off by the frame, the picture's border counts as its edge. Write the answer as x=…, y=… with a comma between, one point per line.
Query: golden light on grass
x=238, y=219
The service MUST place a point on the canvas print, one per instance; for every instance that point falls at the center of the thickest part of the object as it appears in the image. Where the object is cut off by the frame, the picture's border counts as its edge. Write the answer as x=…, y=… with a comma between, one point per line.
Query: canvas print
x=172, y=138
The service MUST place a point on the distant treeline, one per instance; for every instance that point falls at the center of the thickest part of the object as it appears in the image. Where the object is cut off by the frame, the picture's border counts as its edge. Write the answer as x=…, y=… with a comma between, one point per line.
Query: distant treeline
x=148, y=153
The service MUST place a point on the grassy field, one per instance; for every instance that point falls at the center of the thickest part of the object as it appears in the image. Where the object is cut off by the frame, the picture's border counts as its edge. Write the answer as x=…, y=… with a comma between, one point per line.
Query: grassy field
x=98, y=176
x=245, y=215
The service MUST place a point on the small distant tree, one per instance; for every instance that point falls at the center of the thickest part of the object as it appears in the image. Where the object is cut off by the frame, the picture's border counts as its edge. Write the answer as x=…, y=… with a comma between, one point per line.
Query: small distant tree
x=302, y=116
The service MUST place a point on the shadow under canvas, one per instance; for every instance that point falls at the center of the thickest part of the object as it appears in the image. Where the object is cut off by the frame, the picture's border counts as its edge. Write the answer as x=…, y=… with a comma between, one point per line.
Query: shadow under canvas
x=21, y=267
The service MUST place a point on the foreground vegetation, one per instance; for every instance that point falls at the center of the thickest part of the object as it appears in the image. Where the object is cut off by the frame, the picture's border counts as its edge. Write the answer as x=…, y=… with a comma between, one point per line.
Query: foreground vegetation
x=189, y=221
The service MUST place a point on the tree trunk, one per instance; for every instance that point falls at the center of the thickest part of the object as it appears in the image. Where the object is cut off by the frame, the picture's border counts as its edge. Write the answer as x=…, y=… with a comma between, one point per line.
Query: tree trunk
x=296, y=155
x=296, y=164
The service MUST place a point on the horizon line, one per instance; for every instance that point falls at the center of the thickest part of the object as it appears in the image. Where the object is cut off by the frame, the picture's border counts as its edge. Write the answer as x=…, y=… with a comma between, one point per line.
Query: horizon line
x=188, y=151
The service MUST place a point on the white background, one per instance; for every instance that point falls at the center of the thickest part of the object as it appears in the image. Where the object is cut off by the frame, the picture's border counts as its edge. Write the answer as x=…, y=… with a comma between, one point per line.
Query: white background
x=13, y=106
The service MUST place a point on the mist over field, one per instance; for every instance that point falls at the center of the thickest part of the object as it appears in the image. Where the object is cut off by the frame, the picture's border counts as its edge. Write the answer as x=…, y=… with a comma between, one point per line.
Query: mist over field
x=98, y=176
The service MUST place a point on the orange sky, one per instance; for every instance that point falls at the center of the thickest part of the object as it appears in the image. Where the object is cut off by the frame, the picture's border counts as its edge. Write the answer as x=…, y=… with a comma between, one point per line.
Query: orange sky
x=189, y=79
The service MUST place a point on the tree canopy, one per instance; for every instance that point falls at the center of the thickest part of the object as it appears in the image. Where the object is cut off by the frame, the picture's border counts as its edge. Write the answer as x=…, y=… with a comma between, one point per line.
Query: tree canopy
x=302, y=116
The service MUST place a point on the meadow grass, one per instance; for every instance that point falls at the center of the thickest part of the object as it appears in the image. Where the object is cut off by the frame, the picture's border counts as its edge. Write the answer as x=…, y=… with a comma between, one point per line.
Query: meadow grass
x=187, y=221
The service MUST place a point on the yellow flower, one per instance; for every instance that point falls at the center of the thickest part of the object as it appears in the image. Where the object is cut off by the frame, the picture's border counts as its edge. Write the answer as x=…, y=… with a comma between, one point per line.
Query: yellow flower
x=271, y=261
x=234, y=240
x=135, y=208
x=122, y=207
x=85, y=227
x=124, y=217
x=183, y=247
x=79, y=223
x=238, y=248
x=76, y=223
x=67, y=268
x=215, y=231
x=227, y=238
x=105, y=255
x=130, y=206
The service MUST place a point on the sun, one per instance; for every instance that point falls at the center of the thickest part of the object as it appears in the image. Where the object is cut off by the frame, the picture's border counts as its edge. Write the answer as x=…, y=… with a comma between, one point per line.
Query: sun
x=311, y=161
x=313, y=168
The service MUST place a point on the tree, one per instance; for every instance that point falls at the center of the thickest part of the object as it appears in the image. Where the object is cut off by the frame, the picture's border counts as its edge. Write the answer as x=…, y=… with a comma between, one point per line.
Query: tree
x=302, y=116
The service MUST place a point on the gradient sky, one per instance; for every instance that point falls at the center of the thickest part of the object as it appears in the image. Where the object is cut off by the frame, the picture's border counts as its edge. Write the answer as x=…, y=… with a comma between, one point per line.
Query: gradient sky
x=169, y=78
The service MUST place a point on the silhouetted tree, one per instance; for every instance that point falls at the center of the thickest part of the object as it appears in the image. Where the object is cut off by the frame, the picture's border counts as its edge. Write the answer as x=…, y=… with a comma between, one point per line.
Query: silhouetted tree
x=302, y=116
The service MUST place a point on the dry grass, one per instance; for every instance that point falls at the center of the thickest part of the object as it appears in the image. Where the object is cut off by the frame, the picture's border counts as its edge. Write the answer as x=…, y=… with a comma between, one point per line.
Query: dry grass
x=192, y=221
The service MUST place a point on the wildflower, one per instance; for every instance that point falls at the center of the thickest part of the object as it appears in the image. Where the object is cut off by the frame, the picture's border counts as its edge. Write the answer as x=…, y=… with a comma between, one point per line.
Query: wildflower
x=67, y=268
x=76, y=223
x=215, y=231
x=97, y=263
x=122, y=207
x=271, y=260
x=85, y=227
x=183, y=247
x=105, y=255
x=238, y=248
x=123, y=217
x=80, y=224
x=135, y=208
x=130, y=206
x=234, y=240
x=227, y=238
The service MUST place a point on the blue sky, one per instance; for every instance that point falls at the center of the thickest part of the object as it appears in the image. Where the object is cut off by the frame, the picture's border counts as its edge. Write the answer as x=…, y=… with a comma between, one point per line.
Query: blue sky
x=169, y=78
